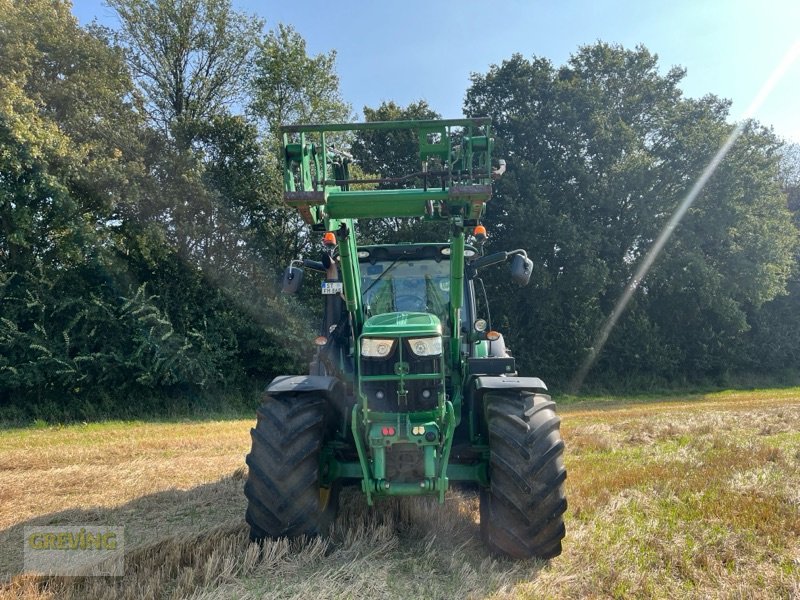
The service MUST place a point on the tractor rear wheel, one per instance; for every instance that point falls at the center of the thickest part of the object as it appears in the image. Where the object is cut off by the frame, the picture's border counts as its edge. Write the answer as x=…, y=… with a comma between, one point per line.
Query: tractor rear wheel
x=522, y=512
x=284, y=496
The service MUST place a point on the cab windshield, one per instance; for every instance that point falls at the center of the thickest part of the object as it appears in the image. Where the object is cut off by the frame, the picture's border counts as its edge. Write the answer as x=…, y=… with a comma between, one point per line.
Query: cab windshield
x=406, y=286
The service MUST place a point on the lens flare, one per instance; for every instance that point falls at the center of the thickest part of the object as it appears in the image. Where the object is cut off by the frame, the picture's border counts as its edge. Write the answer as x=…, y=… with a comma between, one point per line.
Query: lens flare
x=641, y=272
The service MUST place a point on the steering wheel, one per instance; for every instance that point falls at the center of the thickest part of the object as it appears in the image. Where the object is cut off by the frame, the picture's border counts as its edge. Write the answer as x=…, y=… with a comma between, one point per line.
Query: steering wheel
x=415, y=303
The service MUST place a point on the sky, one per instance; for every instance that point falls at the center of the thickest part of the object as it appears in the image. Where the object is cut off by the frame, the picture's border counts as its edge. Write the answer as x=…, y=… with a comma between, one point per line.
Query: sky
x=414, y=49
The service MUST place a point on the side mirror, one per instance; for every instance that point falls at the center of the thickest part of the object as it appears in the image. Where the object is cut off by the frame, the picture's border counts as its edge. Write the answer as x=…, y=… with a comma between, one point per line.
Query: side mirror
x=292, y=278
x=521, y=269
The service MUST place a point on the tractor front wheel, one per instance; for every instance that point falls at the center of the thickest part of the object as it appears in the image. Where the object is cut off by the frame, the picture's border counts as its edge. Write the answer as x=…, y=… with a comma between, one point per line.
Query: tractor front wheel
x=284, y=497
x=522, y=512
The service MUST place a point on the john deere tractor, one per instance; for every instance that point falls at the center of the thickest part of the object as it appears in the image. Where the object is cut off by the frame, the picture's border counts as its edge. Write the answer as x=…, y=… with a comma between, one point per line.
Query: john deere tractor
x=411, y=391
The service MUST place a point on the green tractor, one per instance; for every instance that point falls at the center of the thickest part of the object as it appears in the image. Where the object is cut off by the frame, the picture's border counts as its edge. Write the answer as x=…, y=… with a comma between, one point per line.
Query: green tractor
x=410, y=391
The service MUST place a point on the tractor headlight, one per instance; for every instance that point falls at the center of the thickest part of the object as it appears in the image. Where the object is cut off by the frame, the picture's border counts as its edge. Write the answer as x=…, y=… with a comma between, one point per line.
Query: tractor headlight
x=431, y=346
x=376, y=348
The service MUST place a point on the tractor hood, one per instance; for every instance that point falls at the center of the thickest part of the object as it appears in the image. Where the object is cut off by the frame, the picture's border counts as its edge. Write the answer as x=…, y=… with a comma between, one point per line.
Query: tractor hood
x=402, y=324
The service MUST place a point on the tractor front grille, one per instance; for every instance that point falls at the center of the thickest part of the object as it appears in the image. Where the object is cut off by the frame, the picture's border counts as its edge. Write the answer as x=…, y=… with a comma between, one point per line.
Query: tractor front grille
x=383, y=396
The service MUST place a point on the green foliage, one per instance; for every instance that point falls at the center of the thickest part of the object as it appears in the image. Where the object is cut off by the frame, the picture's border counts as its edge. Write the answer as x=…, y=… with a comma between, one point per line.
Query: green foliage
x=790, y=178
x=132, y=265
x=288, y=86
x=601, y=151
x=142, y=230
x=773, y=342
x=190, y=57
x=394, y=154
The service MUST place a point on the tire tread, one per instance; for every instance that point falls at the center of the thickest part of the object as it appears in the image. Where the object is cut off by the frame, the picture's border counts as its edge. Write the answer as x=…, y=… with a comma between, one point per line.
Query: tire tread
x=522, y=510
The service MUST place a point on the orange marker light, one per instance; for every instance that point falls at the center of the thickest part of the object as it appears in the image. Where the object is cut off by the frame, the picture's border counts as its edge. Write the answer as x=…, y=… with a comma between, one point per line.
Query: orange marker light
x=329, y=239
x=480, y=233
x=492, y=336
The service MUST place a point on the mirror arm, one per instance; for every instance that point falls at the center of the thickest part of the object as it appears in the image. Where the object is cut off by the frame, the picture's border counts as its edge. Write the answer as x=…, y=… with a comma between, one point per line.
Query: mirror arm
x=492, y=259
x=486, y=261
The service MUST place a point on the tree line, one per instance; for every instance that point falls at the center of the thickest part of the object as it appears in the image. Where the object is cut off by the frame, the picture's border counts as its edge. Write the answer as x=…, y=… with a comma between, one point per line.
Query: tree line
x=142, y=231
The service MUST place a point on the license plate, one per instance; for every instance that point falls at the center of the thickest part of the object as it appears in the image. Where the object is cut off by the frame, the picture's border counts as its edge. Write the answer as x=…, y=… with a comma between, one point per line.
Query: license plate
x=332, y=287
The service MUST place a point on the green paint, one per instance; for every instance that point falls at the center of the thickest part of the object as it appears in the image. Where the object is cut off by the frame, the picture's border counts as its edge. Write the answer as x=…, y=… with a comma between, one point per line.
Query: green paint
x=455, y=164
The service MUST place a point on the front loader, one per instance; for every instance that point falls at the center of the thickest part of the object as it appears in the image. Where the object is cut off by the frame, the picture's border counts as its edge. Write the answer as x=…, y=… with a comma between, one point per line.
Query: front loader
x=410, y=391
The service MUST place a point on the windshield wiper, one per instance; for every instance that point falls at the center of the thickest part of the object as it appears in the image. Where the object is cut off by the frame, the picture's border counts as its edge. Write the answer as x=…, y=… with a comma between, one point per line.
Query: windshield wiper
x=379, y=277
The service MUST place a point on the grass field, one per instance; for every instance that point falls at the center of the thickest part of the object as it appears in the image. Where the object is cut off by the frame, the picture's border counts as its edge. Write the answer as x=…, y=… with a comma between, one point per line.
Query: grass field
x=674, y=498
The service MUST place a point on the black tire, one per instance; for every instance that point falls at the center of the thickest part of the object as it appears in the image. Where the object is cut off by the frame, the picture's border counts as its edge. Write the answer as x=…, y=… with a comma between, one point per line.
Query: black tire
x=522, y=512
x=283, y=484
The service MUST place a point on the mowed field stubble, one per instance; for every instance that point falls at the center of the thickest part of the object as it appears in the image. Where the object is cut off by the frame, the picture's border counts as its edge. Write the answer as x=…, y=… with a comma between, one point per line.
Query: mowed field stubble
x=675, y=498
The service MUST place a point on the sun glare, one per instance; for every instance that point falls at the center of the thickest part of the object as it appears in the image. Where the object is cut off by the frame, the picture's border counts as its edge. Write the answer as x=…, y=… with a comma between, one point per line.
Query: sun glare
x=764, y=91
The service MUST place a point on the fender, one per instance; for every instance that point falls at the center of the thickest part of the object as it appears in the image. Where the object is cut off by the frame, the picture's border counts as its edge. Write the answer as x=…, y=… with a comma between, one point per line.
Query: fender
x=302, y=384
x=331, y=388
x=480, y=385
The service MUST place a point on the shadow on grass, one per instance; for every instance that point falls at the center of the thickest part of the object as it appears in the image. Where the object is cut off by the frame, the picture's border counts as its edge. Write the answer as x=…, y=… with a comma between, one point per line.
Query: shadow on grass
x=195, y=543
x=148, y=520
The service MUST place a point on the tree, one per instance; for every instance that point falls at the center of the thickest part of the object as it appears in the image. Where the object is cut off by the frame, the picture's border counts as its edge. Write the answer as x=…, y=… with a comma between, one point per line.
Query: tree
x=289, y=86
x=600, y=152
x=69, y=163
x=70, y=137
x=790, y=177
x=393, y=154
x=222, y=213
x=102, y=300
x=192, y=58
x=773, y=344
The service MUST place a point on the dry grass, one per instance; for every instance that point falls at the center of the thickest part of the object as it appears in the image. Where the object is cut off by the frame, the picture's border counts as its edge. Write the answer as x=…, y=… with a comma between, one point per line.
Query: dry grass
x=155, y=479
x=696, y=498
x=683, y=499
